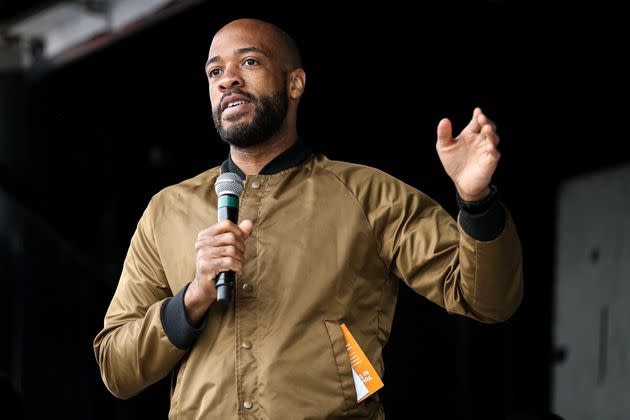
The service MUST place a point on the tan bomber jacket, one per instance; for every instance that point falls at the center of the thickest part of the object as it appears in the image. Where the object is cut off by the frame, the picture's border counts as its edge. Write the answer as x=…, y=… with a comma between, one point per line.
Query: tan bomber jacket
x=330, y=241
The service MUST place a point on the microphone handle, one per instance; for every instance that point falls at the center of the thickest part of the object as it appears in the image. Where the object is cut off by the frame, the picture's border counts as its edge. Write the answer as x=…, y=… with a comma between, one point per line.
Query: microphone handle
x=225, y=284
x=227, y=210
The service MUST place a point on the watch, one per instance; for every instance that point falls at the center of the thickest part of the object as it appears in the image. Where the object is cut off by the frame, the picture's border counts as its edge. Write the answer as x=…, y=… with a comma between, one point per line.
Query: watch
x=479, y=206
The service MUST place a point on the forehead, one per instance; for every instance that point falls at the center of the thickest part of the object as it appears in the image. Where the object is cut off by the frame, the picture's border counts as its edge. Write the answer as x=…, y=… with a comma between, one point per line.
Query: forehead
x=232, y=38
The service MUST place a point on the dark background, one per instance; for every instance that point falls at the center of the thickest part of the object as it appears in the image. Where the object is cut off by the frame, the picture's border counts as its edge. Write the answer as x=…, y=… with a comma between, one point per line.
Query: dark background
x=84, y=146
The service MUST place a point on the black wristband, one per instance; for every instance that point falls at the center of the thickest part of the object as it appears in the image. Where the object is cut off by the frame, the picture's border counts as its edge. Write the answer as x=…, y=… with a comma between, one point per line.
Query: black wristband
x=480, y=206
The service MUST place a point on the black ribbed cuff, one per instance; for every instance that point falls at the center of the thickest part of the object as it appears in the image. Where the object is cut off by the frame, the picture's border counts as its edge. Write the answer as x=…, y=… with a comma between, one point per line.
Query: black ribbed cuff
x=175, y=323
x=483, y=220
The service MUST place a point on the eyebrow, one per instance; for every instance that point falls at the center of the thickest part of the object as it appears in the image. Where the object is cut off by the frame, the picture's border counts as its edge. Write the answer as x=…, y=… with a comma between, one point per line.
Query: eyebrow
x=237, y=51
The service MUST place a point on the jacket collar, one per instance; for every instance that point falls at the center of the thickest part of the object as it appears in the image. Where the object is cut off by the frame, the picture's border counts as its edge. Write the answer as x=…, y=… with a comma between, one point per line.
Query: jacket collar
x=291, y=157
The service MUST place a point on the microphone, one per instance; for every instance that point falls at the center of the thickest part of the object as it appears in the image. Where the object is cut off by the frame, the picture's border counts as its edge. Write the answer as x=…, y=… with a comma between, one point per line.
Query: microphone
x=229, y=187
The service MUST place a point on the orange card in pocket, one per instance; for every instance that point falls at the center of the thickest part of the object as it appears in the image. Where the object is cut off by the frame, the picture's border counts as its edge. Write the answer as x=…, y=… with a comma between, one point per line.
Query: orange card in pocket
x=366, y=380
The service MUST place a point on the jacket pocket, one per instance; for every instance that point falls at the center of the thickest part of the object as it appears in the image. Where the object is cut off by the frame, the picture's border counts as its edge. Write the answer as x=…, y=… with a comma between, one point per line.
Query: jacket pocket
x=342, y=361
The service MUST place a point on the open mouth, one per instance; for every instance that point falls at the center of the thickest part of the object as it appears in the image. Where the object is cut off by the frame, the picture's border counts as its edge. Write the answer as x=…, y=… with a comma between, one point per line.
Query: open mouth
x=234, y=100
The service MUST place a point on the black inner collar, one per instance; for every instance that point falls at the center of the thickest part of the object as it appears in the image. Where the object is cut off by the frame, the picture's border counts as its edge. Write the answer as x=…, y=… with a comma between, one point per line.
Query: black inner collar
x=291, y=157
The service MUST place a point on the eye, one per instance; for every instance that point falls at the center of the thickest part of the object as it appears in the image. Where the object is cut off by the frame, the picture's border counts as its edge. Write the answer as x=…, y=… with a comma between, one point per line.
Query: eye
x=214, y=72
x=250, y=62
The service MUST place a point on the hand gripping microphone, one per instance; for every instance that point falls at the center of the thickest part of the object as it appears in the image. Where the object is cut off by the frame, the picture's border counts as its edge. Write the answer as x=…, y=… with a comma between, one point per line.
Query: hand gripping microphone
x=229, y=188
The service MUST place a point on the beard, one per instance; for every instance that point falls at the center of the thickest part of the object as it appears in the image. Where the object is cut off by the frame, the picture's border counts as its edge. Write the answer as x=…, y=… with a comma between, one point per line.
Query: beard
x=269, y=114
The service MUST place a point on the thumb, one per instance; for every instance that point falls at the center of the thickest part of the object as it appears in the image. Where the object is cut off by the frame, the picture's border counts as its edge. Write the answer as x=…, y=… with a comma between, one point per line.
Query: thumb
x=444, y=133
x=246, y=226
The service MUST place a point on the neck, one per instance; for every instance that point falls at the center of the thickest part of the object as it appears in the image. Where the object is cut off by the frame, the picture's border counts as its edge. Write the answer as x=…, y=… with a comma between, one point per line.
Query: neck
x=252, y=159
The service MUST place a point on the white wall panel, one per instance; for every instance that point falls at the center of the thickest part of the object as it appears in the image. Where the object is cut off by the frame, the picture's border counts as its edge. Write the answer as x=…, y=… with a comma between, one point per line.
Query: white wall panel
x=592, y=297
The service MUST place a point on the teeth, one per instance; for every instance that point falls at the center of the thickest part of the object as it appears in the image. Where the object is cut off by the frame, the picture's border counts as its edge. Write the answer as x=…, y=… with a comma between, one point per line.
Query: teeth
x=231, y=104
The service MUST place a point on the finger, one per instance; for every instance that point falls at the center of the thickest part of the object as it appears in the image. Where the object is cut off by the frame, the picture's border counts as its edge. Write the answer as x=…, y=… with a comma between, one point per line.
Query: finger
x=232, y=237
x=219, y=228
x=474, y=125
x=232, y=264
x=444, y=132
x=246, y=227
x=217, y=252
x=227, y=264
x=489, y=133
x=209, y=269
x=483, y=120
x=224, y=239
x=494, y=154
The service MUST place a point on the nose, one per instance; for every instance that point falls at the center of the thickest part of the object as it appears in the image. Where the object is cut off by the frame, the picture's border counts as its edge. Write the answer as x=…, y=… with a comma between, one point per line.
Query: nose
x=230, y=78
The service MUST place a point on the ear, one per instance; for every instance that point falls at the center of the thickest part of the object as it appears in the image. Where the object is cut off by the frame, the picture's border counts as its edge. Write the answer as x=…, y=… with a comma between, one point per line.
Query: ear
x=297, y=82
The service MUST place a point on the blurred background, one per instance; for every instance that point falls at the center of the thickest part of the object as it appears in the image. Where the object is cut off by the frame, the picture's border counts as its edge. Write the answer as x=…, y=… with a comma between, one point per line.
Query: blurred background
x=104, y=102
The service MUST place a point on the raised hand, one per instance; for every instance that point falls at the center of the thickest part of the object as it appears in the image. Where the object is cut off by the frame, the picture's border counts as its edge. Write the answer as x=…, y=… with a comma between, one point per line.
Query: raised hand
x=471, y=158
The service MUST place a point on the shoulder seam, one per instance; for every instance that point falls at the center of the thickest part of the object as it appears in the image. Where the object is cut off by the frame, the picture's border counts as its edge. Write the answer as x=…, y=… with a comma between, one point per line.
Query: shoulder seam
x=367, y=220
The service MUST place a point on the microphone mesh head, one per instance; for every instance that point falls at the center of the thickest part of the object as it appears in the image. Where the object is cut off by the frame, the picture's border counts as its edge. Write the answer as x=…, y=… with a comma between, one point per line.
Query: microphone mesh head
x=229, y=183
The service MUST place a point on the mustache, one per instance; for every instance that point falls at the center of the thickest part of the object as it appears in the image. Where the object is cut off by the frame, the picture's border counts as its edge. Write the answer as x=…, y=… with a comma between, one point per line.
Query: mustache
x=217, y=109
x=235, y=91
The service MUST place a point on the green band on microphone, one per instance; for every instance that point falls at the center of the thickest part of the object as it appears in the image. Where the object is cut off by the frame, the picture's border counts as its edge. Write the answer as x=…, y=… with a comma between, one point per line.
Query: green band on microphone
x=228, y=200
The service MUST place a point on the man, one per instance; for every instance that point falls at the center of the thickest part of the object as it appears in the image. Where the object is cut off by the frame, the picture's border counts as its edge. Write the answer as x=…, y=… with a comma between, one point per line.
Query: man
x=320, y=243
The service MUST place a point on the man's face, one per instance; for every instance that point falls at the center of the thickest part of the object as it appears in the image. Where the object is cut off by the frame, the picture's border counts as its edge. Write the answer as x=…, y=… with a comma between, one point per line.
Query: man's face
x=248, y=91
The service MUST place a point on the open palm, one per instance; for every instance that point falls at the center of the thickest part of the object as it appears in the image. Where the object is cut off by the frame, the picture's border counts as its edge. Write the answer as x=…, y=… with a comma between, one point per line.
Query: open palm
x=471, y=158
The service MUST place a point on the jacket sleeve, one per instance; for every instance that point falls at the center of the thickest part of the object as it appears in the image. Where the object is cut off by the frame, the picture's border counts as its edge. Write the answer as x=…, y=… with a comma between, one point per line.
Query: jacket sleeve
x=425, y=247
x=133, y=350
x=490, y=275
